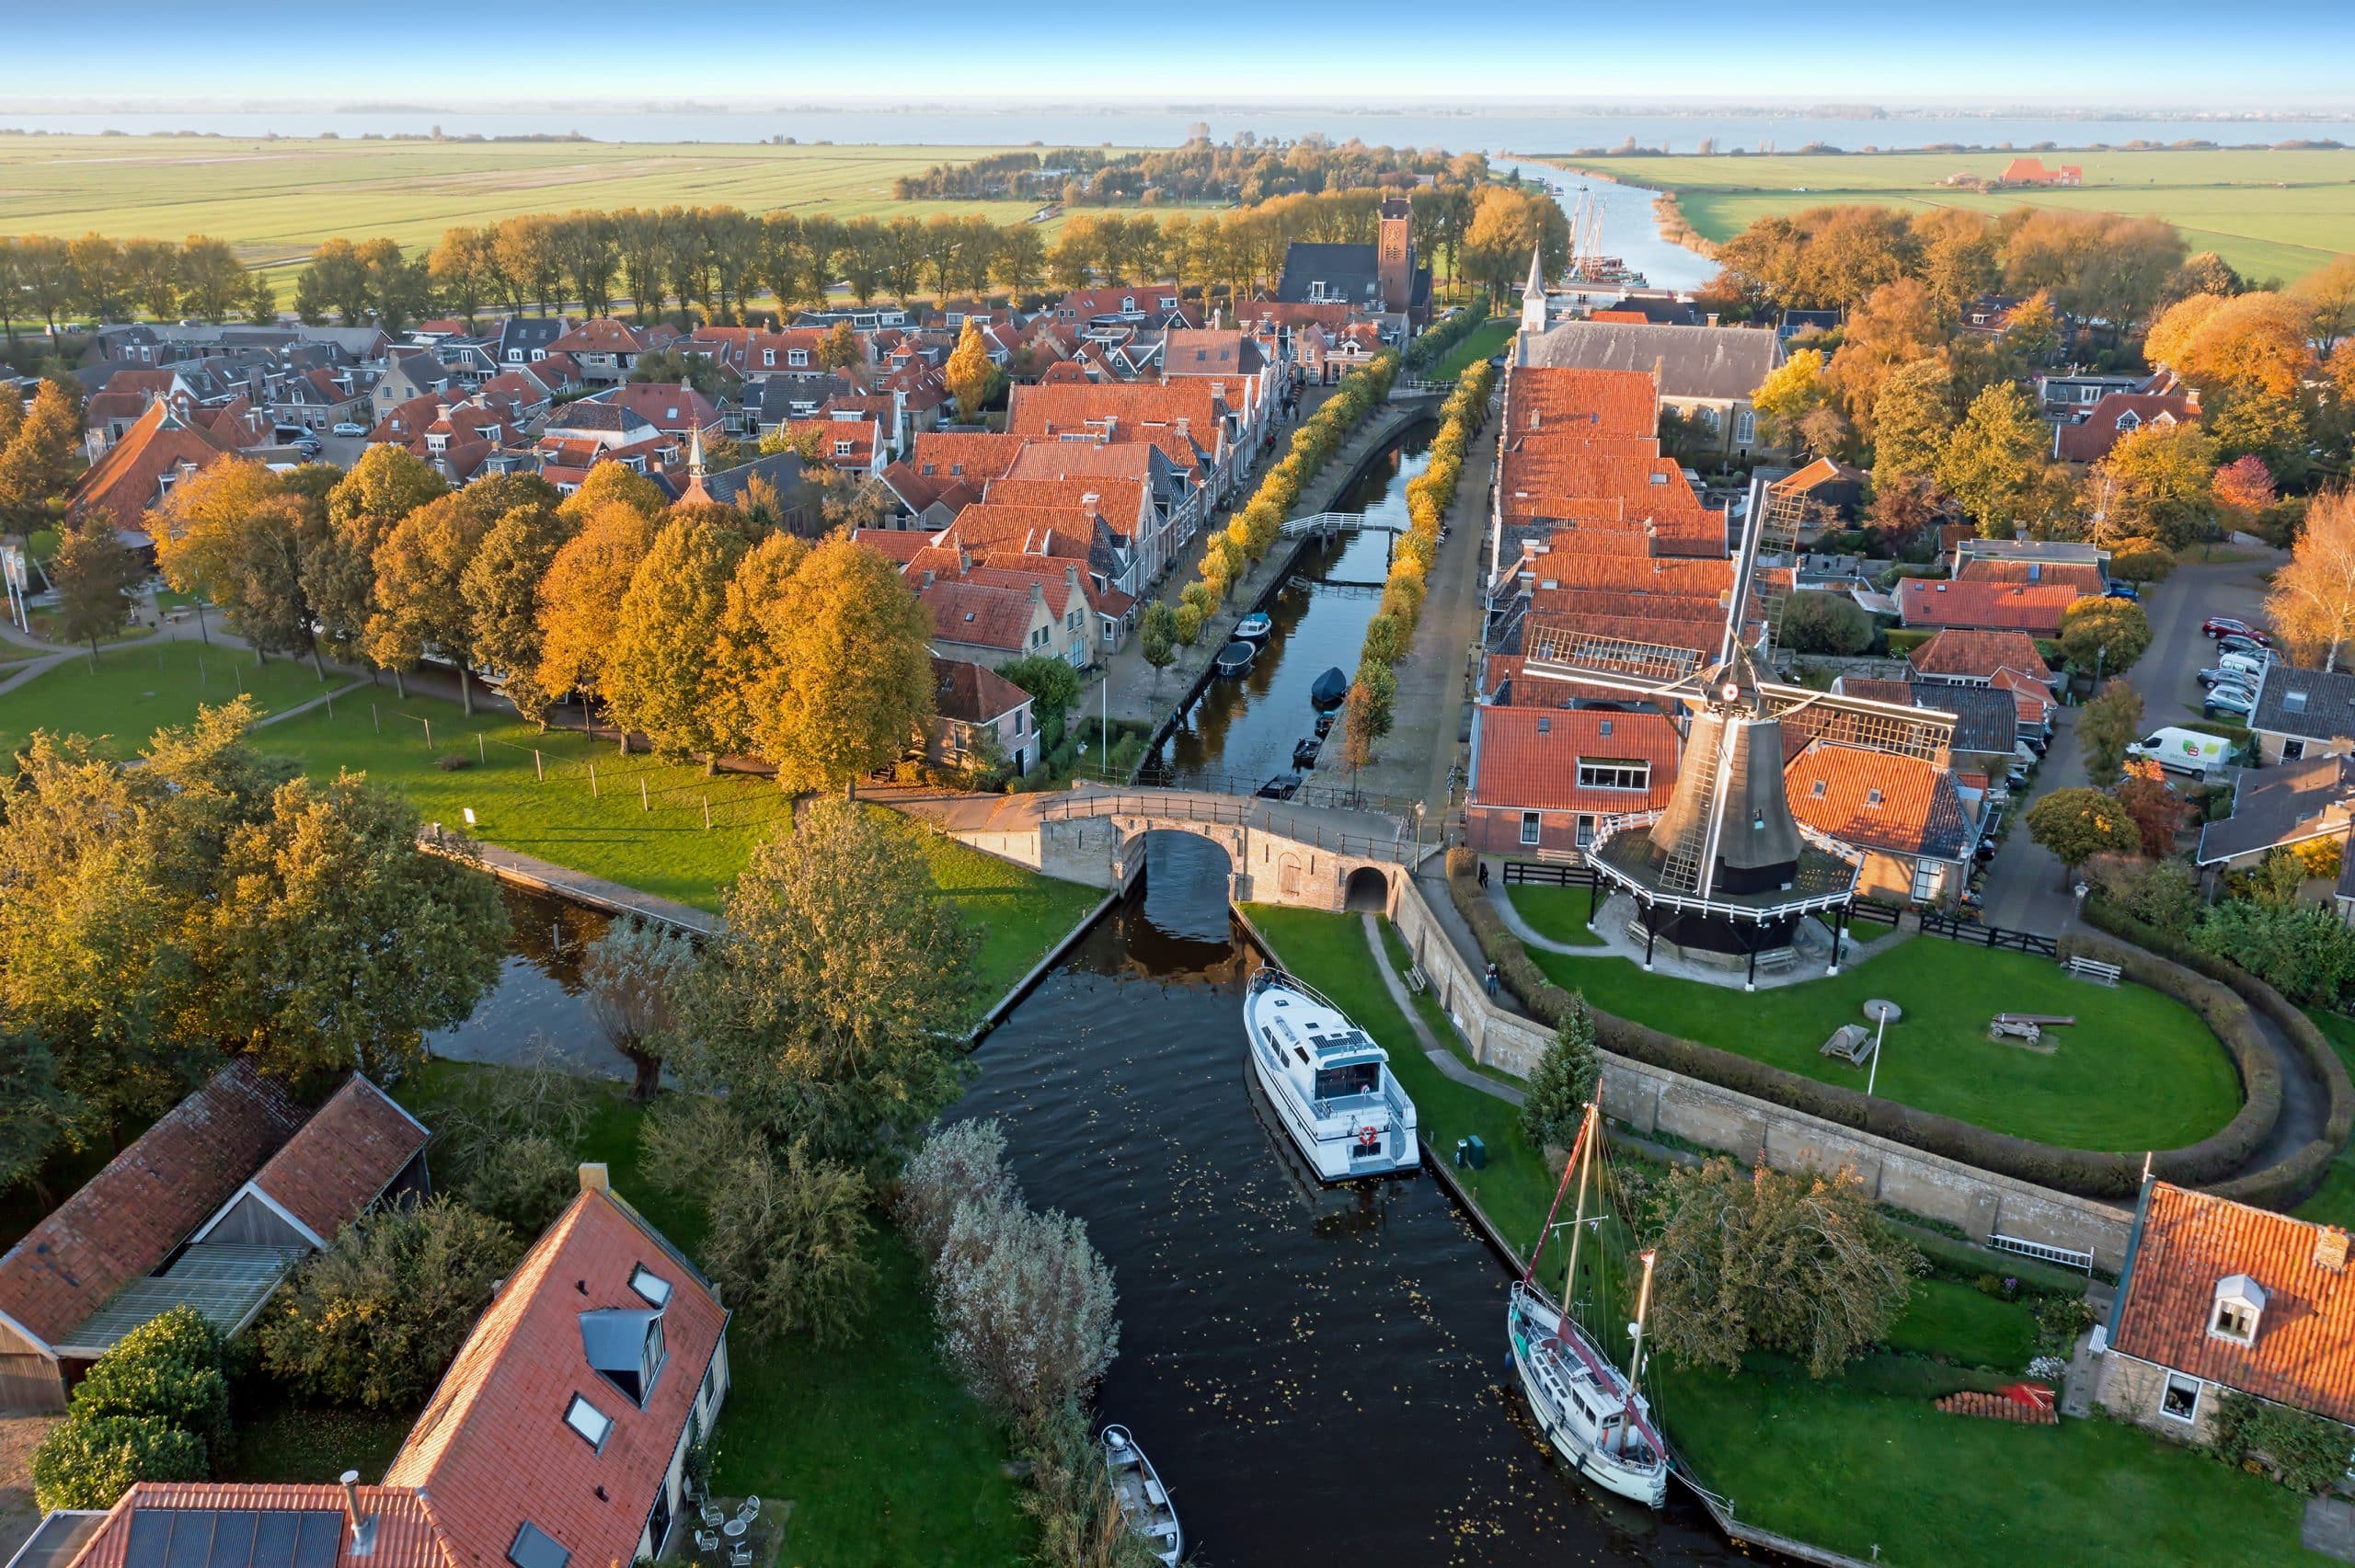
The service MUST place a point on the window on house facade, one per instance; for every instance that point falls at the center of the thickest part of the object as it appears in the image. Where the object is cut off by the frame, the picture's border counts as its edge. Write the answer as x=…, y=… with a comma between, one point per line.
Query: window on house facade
x=842, y=449
x=1533, y=825
x=797, y=356
x=1745, y=427
x=768, y=356
x=2179, y=1400
x=1927, y=875
x=2240, y=1302
x=1586, y=831
x=2292, y=749
x=1604, y=773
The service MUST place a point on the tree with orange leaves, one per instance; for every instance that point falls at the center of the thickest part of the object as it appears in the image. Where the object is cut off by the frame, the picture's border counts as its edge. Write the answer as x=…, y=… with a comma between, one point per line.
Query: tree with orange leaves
x=2312, y=602
x=2157, y=811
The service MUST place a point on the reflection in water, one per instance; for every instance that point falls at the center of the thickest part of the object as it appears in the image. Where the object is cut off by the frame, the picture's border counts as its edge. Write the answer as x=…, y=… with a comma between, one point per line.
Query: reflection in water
x=537, y=1004
x=1318, y=1372
x=1246, y=728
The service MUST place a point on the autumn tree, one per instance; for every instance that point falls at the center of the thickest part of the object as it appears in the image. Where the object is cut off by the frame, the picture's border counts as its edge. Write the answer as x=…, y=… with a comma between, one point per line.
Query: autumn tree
x=2155, y=483
x=744, y=658
x=2312, y=598
x=828, y=1005
x=1898, y=326
x=1761, y=1260
x=385, y=486
x=2157, y=811
x=2107, y=726
x=1996, y=458
x=2243, y=488
x=971, y=379
x=1791, y=391
x=853, y=684
x=37, y=461
x=2077, y=824
x=1910, y=423
x=581, y=595
x=234, y=534
x=94, y=575
x=656, y=671
x=1157, y=637
x=501, y=586
x=421, y=574
x=2103, y=636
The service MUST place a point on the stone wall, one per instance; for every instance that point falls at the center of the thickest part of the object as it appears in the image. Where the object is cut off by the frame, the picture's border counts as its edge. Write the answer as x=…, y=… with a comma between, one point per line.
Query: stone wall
x=2129, y=1388
x=1653, y=1100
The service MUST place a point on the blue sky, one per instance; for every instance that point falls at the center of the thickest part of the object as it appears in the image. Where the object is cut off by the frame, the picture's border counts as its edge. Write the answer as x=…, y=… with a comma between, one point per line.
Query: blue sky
x=2186, y=53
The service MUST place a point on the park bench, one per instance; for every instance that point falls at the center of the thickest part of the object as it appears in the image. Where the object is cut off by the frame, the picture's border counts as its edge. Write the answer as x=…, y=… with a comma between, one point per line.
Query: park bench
x=1416, y=982
x=2094, y=969
x=1775, y=960
x=1852, y=1043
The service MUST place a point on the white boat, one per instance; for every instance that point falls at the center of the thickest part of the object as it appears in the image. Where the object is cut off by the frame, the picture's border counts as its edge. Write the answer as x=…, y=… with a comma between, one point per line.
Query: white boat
x=1142, y=1498
x=1330, y=1084
x=1255, y=627
x=1591, y=1411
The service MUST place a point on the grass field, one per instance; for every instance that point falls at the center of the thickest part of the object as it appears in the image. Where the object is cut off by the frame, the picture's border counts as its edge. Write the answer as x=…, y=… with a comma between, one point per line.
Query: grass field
x=656, y=841
x=1557, y=913
x=275, y=201
x=2139, y=1070
x=1861, y=1461
x=2334, y=1204
x=2271, y=214
x=886, y=1457
x=135, y=690
x=1486, y=340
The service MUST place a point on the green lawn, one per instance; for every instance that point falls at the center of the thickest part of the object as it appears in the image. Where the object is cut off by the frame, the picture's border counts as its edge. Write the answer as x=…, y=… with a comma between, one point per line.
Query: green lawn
x=2138, y=1070
x=1863, y=1459
x=2333, y=1202
x=1486, y=341
x=886, y=1457
x=279, y=1441
x=135, y=690
x=1557, y=913
x=2270, y=213
x=657, y=842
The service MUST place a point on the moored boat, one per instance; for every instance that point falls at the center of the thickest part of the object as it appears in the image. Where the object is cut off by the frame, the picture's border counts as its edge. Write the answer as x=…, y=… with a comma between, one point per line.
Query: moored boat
x=1143, y=1499
x=1255, y=627
x=1331, y=689
x=1330, y=1084
x=1235, y=657
x=1590, y=1410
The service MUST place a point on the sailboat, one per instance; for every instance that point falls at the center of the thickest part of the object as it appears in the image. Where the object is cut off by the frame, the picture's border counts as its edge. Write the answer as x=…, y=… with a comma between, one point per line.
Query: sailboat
x=1590, y=268
x=1589, y=1410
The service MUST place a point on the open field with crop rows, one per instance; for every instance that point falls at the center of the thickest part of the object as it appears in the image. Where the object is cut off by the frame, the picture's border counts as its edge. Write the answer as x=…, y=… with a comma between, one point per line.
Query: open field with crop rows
x=2271, y=214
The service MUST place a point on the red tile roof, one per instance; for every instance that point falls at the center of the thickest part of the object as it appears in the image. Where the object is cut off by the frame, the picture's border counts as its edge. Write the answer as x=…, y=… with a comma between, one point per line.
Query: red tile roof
x=2026, y=607
x=2184, y=1244
x=1877, y=800
x=343, y=1158
x=1959, y=652
x=1591, y=401
x=972, y=694
x=492, y=1449
x=981, y=615
x=129, y=479
x=1526, y=759
x=2090, y=439
x=964, y=454
x=128, y=1217
x=2082, y=576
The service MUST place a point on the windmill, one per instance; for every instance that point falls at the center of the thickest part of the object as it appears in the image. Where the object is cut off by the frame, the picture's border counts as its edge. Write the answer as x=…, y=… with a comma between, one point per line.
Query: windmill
x=1725, y=872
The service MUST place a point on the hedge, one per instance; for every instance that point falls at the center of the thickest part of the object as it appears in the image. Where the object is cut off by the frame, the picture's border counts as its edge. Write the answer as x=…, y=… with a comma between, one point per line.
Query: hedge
x=2289, y=1182
x=1434, y=346
x=2086, y=1173
x=154, y=1407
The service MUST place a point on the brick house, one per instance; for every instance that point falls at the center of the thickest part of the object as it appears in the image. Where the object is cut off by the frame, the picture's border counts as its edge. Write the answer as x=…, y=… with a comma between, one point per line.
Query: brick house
x=973, y=706
x=1543, y=778
x=2032, y=607
x=1902, y=815
x=2217, y=1296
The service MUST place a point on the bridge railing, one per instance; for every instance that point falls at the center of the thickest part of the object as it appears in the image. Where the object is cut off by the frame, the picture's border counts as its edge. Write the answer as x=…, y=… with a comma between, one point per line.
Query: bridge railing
x=1266, y=816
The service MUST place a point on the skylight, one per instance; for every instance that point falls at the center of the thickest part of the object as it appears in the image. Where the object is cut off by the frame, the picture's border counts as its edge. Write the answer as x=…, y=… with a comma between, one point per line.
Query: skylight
x=652, y=1287
x=535, y=1548
x=589, y=1421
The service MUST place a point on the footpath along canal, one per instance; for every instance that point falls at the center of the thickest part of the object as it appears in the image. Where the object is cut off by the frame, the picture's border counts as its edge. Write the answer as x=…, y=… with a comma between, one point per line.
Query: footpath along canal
x=1318, y=1373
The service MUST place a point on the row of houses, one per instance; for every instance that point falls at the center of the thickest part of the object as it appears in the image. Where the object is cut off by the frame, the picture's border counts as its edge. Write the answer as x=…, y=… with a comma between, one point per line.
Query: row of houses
x=560, y=1432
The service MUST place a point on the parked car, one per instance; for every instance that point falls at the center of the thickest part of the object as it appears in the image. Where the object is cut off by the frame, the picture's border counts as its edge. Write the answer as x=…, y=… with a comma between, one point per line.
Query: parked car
x=2120, y=590
x=2229, y=626
x=346, y=427
x=2185, y=750
x=2232, y=642
x=2239, y=703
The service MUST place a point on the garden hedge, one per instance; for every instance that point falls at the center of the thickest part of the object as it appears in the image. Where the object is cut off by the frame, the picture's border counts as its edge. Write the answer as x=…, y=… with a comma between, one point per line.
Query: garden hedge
x=2086, y=1173
x=2289, y=1182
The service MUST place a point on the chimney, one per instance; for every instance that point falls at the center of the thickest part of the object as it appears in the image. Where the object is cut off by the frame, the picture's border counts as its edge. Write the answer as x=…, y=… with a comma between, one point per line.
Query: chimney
x=1038, y=591
x=363, y=1526
x=594, y=1178
x=2330, y=1249
x=927, y=576
x=1713, y=318
x=1071, y=577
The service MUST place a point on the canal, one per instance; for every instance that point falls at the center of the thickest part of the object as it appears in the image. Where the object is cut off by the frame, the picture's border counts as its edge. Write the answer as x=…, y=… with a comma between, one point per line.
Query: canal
x=1317, y=1373
x=1240, y=733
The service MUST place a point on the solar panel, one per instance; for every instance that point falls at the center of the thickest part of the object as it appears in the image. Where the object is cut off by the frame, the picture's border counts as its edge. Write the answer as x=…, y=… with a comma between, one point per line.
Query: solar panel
x=234, y=1538
x=274, y=1540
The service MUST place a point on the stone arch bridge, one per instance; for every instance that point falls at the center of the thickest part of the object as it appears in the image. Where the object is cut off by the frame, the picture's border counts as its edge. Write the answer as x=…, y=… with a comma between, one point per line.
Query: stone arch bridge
x=1317, y=857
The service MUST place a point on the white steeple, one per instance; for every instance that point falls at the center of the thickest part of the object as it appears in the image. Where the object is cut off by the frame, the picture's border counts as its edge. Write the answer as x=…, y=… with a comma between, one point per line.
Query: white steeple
x=695, y=453
x=1532, y=293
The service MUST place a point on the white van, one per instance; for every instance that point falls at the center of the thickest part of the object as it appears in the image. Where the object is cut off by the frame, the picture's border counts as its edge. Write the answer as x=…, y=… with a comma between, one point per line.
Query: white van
x=2185, y=750
x=2251, y=665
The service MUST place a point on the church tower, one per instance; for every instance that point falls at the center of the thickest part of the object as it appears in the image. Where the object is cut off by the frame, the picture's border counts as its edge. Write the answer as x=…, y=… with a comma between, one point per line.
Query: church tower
x=1532, y=294
x=1394, y=255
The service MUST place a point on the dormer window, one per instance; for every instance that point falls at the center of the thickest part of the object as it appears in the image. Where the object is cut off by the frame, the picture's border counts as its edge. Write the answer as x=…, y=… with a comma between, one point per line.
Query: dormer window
x=1872, y=797
x=652, y=1287
x=627, y=1349
x=590, y=1422
x=2240, y=1303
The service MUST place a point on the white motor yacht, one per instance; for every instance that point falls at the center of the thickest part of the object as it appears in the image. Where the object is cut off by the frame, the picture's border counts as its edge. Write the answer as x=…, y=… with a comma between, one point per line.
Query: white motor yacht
x=1330, y=1084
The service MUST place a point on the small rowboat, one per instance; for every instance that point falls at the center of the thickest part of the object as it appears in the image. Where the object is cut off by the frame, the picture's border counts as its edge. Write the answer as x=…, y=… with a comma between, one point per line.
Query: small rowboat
x=1236, y=656
x=1143, y=1498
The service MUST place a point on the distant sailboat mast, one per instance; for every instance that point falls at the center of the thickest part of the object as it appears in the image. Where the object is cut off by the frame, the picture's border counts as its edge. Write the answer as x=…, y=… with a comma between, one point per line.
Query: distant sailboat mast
x=1578, y=1224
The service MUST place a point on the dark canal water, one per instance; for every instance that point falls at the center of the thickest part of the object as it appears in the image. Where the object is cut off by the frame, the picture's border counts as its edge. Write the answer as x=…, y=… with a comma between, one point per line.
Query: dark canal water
x=1241, y=732
x=1317, y=1373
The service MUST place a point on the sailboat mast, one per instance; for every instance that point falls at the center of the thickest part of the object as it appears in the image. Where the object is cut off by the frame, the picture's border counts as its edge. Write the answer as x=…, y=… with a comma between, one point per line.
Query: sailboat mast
x=1529, y=1270
x=1643, y=1307
x=1577, y=1225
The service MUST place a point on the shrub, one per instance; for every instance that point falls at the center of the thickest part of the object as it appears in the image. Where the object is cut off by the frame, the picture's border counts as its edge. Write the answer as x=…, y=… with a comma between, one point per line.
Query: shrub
x=452, y=762
x=1025, y=1309
x=962, y=1162
x=788, y=1243
x=90, y=1464
x=1825, y=623
x=2303, y=1451
x=168, y=1368
x=373, y=1319
x=526, y=1185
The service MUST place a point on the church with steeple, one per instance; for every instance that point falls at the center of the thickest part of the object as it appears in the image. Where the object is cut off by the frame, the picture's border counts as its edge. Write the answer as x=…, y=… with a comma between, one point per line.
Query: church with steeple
x=1532, y=293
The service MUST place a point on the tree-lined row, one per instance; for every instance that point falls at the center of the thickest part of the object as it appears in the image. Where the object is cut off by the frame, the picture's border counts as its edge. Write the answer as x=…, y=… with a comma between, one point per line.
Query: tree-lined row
x=43, y=278
x=704, y=629
x=1390, y=633
x=1247, y=170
